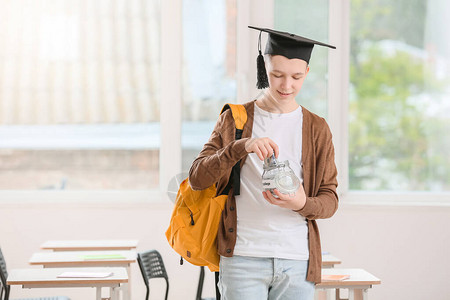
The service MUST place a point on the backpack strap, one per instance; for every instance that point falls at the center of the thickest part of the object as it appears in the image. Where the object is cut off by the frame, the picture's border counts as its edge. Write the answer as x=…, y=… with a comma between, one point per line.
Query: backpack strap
x=239, y=114
x=240, y=118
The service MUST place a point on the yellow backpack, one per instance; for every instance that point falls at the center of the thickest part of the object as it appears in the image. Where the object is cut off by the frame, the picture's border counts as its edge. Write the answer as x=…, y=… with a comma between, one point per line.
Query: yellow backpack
x=192, y=232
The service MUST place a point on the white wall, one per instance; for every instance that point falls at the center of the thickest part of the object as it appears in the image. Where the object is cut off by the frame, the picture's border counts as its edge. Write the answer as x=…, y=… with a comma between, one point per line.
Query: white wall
x=406, y=247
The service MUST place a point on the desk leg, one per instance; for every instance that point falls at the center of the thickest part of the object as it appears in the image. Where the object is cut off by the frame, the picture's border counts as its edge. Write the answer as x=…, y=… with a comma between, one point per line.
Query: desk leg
x=325, y=294
x=365, y=294
x=114, y=293
x=126, y=287
x=358, y=294
x=320, y=294
x=99, y=293
x=127, y=292
x=330, y=294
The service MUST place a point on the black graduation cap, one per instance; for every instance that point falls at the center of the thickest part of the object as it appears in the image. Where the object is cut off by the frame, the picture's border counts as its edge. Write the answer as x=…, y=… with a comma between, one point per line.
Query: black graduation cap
x=286, y=44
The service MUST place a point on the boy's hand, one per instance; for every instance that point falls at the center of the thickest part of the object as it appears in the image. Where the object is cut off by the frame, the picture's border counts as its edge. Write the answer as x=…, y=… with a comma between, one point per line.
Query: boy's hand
x=263, y=147
x=293, y=201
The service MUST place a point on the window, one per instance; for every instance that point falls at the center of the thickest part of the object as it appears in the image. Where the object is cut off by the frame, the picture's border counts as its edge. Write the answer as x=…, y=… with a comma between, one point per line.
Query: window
x=79, y=94
x=308, y=20
x=209, y=70
x=80, y=88
x=399, y=103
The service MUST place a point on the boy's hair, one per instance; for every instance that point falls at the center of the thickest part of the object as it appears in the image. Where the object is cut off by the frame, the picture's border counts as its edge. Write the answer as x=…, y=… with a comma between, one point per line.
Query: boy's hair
x=268, y=57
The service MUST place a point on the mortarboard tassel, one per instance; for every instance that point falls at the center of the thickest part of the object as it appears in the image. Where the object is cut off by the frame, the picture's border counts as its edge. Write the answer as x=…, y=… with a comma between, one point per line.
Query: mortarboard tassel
x=261, y=77
x=262, y=80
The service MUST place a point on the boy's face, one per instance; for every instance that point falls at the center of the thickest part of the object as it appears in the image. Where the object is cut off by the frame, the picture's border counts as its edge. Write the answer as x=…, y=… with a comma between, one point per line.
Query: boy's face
x=286, y=77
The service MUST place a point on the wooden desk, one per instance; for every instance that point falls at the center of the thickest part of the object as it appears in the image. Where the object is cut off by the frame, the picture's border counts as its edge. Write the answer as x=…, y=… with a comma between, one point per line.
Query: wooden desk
x=89, y=245
x=67, y=259
x=358, y=283
x=47, y=278
x=93, y=245
x=329, y=261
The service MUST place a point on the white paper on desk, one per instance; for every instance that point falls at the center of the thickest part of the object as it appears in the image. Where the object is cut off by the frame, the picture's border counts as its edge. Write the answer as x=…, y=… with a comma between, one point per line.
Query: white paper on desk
x=84, y=274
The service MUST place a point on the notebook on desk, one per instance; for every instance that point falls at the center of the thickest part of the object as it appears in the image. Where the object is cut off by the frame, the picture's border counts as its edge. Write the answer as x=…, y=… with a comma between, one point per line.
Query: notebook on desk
x=335, y=277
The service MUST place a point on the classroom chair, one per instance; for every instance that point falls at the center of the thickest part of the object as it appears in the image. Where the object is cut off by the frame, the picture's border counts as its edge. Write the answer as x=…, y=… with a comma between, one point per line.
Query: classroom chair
x=152, y=266
x=201, y=279
x=5, y=288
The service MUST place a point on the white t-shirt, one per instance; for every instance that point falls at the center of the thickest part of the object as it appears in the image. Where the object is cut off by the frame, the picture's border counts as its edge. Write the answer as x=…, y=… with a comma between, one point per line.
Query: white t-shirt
x=263, y=229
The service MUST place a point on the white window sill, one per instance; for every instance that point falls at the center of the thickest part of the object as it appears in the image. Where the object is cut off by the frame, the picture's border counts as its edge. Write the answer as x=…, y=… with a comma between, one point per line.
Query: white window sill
x=411, y=199
x=156, y=199
x=87, y=198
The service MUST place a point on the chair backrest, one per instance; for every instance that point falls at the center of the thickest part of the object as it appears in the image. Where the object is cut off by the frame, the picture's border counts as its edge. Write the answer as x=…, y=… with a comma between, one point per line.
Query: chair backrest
x=4, y=288
x=152, y=266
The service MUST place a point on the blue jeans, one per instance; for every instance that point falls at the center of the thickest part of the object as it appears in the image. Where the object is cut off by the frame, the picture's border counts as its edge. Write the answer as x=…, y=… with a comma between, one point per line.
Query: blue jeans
x=255, y=278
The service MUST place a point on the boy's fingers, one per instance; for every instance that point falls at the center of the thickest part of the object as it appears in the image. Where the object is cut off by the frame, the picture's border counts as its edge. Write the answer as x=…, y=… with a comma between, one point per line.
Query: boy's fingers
x=269, y=151
x=263, y=152
x=280, y=195
x=274, y=147
x=259, y=154
x=276, y=152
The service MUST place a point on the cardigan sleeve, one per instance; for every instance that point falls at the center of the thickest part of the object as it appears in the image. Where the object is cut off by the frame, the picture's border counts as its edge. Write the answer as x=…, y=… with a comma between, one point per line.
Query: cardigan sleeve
x=218, y=155
x=324, y=201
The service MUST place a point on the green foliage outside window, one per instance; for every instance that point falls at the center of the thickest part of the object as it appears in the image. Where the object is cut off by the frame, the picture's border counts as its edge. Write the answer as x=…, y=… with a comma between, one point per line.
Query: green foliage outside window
x=398, y=138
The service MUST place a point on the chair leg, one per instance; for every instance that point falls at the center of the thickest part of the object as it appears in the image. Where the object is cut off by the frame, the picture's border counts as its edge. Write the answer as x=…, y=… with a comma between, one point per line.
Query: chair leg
x=167, y=289
x=7, y=292
x=201, y=279
x=216, y=277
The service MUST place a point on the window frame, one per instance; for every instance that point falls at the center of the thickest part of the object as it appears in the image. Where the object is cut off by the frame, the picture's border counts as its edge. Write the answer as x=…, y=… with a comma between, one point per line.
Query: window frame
x=248, y=12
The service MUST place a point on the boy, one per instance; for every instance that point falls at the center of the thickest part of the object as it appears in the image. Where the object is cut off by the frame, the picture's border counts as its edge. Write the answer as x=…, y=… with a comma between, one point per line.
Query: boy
x=270, y=246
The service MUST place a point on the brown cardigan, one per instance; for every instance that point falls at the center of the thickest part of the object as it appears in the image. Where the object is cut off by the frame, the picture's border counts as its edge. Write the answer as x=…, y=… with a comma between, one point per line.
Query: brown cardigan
x=222, y=151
